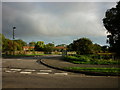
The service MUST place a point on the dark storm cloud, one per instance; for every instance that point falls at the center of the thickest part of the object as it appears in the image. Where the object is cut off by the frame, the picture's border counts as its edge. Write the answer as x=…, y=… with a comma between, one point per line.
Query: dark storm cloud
x=46, y=21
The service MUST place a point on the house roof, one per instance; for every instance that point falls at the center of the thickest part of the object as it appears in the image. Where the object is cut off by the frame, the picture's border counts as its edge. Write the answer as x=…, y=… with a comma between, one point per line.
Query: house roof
x=28, y=47
x=60, y=47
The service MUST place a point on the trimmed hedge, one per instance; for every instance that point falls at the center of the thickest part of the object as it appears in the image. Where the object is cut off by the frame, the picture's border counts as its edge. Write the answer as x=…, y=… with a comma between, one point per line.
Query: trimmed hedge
x=85, y=59
x=115, y=71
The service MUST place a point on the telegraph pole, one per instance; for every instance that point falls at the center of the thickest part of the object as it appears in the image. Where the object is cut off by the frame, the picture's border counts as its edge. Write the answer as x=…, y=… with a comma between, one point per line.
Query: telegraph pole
x=14, y=28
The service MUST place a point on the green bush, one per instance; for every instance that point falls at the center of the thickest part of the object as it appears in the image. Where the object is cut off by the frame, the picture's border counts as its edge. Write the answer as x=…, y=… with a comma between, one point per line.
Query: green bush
x=71, y=58
x=81, y=58
x=84, y=58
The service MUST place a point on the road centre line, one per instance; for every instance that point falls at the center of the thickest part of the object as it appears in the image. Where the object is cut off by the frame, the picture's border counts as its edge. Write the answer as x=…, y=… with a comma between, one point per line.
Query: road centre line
x=15, y=69
x=19, y=59
x=61, y=73
x=8, y=71
x=45, y=70
x=25, y=72
x=31, y=70
x=42, y=73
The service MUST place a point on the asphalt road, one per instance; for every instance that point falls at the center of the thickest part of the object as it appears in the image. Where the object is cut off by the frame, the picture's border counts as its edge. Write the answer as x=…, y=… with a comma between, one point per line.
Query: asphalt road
x=27, y=73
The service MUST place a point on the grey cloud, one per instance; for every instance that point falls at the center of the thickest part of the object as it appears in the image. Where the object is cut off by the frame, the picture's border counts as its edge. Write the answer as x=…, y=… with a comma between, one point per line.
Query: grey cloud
x=54, y=20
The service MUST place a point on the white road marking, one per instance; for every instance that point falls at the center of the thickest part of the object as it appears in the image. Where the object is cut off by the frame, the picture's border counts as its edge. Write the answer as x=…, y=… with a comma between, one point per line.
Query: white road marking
x=95, y=76
x=45, y=70
x=29, y=70
x=19, y=59
x=25, y=72
x=42, y=73
x=61, y=73
x=15, y=69
x=8, y=71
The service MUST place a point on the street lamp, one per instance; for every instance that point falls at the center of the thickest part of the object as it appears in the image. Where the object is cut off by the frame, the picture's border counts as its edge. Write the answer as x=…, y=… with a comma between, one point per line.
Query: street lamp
x=14, y=28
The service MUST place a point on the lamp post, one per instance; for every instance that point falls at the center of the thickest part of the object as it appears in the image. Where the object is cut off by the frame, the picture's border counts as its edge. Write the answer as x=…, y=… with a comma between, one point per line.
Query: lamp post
x=14, y=28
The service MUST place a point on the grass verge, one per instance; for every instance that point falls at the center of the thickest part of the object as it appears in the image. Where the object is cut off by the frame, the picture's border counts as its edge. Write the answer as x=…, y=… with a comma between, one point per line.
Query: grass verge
x=109, y=71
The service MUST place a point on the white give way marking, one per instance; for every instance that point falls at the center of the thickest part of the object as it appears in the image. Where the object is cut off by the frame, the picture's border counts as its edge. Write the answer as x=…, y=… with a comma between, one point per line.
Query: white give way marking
x=30, y=71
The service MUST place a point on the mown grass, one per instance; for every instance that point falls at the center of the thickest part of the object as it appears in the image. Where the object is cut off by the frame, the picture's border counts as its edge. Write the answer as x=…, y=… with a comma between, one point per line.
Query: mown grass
x=115, y=71
x=84, y=59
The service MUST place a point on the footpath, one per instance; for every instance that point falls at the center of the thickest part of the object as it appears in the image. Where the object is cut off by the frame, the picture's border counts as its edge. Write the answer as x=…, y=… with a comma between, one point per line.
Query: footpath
x=58, y=63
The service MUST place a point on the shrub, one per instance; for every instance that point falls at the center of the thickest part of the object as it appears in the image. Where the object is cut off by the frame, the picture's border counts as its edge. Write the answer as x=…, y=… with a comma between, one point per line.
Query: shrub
x=84, y=58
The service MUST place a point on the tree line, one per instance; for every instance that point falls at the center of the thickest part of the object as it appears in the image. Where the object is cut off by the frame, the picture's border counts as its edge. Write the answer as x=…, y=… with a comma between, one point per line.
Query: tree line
x=111, y=22
x=85, y=46
x=17, y=45
x=81, y=46
x=7, y=44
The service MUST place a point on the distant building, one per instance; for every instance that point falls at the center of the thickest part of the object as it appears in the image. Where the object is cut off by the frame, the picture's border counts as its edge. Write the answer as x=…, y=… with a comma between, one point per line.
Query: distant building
x=26, y=48
x=60, y=48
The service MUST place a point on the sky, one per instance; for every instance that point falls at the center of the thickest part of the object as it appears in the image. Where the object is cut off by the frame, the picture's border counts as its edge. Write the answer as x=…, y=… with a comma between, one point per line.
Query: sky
x=58, y=22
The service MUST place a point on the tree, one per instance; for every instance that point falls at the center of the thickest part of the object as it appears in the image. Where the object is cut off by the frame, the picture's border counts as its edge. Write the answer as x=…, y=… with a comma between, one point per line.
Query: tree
x=70, y=47
x=105, y=48
x=82, y=46
x=19, y=44
x=39, y=46
x=96, y=48
x=49, y=47
x=2, y=38
x=32, y=43
x=112, y=24
x=7, y=44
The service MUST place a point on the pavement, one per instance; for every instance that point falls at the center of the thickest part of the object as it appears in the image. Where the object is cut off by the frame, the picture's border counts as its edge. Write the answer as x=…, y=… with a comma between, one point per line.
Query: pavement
x=59, y=63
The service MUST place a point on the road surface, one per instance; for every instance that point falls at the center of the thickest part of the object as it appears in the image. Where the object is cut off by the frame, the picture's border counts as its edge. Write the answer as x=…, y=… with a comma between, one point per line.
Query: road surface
x=27, y=73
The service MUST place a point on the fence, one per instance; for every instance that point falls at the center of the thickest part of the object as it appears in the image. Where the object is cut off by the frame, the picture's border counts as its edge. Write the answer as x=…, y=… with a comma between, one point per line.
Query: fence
x=35, y=53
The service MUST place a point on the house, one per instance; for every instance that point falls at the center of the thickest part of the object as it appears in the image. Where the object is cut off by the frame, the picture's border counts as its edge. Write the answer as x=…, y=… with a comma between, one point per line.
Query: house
x=60, y=48
x=26, y=48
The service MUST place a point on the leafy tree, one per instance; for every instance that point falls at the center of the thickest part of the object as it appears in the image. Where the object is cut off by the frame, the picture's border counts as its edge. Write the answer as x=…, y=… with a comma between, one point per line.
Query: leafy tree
x=39, y=46
x=19, y=44
x=105, y=48
x=1, y=37
x=83, y=46
x=70, y=47
x=49, y=47
x=112, y=24
x=7, y=45
x=32, y=43
x=97, y=48
x=10, y=45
